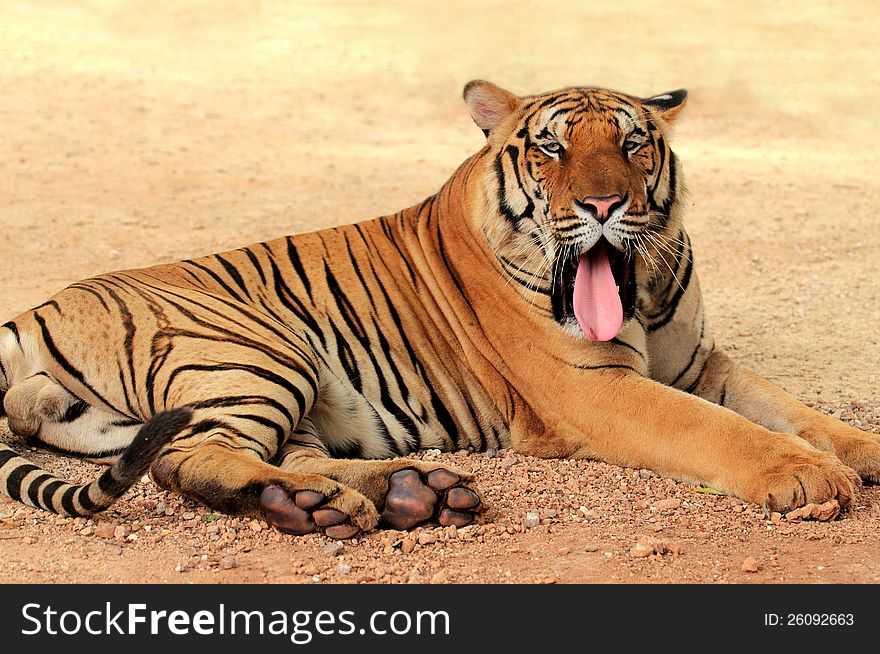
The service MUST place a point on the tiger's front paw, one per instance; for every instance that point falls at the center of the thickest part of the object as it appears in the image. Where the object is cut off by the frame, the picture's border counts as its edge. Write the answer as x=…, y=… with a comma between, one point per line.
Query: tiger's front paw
x=420, y=494
x=802, y=476
x=860, y=451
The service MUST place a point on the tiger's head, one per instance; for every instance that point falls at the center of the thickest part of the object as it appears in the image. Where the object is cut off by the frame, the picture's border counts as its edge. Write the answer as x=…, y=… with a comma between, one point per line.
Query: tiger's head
x=580, y=201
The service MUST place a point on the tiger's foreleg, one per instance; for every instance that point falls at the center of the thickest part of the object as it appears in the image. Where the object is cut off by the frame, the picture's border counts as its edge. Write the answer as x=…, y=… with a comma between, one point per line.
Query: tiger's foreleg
x=762, y=402
x=633, y=421
x=405, y=492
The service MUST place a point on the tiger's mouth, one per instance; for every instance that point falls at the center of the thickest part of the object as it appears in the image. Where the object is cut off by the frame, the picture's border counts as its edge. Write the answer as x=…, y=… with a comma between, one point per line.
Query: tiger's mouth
x=597, y=288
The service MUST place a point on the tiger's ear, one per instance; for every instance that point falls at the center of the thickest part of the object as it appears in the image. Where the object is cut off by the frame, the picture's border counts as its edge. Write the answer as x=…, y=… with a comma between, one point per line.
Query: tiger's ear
x=488, y=104
x=668, y=104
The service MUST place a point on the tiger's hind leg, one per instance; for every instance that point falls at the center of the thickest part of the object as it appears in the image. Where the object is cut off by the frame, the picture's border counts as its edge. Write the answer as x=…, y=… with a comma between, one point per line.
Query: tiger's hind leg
x=222, y=458
x=34, y=400
x=406, y=492
x=47, y=414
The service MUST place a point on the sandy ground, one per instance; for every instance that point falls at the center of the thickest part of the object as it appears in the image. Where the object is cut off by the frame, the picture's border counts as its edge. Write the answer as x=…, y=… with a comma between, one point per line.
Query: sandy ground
x=132, y=133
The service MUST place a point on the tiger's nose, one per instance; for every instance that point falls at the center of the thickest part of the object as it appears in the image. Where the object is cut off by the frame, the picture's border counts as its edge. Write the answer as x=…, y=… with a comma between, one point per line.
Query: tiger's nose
x=601, y=208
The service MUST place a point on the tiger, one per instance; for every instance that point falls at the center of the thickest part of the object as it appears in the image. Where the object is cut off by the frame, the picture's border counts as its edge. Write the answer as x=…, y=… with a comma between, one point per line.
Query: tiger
x=545, y=299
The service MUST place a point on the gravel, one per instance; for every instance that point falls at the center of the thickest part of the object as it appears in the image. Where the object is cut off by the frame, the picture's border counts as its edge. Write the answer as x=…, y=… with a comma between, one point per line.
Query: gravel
x=546, y=520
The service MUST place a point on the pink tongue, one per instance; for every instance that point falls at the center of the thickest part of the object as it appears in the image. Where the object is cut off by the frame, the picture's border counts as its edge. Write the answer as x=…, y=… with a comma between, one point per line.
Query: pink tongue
x=596, y=301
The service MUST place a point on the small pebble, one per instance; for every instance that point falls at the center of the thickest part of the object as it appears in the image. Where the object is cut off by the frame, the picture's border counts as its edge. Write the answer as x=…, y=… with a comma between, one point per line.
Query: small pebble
x=749, y=565
x=333, y=548
x=641, y=550
x=589, y=514
x=531, y=520
x=228, y=563
x=344, y=568
x=427, y=538
x=667, y=505
x=105, y=529
x=407, y=545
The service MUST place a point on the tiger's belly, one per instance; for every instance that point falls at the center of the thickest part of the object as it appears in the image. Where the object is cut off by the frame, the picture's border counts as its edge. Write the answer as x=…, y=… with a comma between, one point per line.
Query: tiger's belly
x=390, y=409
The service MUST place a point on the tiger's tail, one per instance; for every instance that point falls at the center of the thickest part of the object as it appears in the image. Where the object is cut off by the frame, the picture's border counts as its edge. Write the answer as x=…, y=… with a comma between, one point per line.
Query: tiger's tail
x=27, y=483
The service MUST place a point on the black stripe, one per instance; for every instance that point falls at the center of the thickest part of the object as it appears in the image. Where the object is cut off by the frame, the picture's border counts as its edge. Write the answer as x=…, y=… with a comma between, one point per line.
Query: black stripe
x=33, y=491
x=256, y=371
x=128, y=343
x=406, y=421
x=233, y=272
x=11, y=326
x=696, y=382
x=85, y=501
x=15, y=478
x=660, y=145
x=67, y=500
x=6, y=455
x=51, y=303
x=48, y=492
x=672, y=191
x=74, y=411
x=452, y=272
x=293, y=256
x=126, y=423
x=671, y=307
x=482, y=444
x=617, y=341
x=345, y=356
x=112, y=486
x=292, y=303
x=386, y=229
x=346, y=308
x=198, y=280
x=693, y=356
x=226, y=287
x=81, y=286
x=280, y=433
x=211, y=424
x=100, y=454
x=244, y=400
x=607, y=366
x=256, y=264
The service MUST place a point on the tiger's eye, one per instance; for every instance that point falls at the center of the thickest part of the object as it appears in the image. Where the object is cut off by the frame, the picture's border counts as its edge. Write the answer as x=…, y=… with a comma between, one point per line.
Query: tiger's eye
x=551, y=149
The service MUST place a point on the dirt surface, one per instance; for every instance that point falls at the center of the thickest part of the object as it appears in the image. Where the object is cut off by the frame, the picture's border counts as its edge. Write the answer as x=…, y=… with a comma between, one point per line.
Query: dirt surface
x=133, y=133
